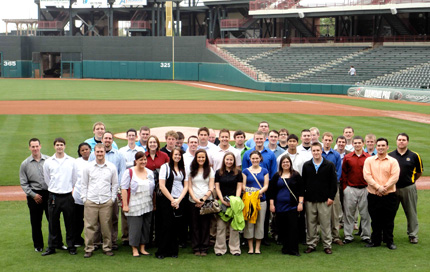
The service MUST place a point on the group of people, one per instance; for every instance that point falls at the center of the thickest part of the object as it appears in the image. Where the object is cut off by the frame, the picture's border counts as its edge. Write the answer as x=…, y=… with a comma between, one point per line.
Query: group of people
x=268, y=182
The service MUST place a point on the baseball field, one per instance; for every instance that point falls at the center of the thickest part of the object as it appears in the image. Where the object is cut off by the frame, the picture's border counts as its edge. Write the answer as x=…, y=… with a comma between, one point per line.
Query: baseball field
x=47, y=109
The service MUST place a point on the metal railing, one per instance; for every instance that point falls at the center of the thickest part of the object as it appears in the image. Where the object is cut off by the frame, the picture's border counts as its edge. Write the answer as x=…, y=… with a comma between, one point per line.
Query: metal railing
x=248, y=41
x=50, y=25
x=224, y=55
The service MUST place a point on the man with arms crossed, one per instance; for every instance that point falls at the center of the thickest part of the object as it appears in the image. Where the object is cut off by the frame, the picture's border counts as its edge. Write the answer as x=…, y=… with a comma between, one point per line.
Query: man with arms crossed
x=34, y=186
x=355, y=192
x=411, y=168
x=99, y=189
x=320, y=182
x=382, y=173
x=60, y=174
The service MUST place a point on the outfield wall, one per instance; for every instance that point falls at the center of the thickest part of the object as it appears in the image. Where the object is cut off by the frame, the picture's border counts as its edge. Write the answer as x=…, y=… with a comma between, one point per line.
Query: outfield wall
x=136, y=58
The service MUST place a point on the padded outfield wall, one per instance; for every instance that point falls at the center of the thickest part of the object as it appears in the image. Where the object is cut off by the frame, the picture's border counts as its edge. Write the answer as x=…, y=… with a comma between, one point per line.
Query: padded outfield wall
x=136, y=58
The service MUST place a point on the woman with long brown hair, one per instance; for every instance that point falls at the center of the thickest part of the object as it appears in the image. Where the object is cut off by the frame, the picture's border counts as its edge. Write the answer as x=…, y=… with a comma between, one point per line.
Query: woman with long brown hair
x=286, y=193
x=228, y=182
x=200, y=186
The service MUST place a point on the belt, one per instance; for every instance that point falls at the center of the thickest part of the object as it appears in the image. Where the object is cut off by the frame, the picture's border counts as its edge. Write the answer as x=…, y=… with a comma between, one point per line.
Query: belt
x=359, y=187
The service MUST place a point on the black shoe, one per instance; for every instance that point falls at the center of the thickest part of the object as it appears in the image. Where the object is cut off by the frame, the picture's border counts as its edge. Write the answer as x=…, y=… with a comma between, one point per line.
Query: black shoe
x=73, y=251
x=160, y=257
x=174, y=256
x=114, y=247
x=125, y=243
x=236, y=254
x=391, y=246
x=218, y=254
x=38, y=249
x=367, y=241
x=372, y=245
x=347, y=241
x=49, y=252
x=182, y=245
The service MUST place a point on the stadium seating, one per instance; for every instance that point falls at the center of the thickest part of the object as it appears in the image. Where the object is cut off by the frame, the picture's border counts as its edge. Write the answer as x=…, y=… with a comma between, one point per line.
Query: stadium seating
x=379, y=66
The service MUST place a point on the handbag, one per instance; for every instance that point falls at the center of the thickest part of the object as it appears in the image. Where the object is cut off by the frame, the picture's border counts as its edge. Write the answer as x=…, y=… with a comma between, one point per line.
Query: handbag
x=210, y=206
x=119, y=194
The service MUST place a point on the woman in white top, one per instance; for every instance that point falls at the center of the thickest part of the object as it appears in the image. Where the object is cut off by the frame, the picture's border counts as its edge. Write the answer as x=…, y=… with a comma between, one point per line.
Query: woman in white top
x=137, y=203
x=169, y=206
x=84, y=151
x=200, y=186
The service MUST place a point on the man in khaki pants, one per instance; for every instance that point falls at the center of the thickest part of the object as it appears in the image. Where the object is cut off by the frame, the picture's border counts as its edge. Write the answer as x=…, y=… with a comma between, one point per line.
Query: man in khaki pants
x=99, y=187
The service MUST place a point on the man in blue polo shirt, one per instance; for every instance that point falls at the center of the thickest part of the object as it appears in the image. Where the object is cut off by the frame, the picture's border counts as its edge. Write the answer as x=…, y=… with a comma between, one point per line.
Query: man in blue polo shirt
x=333, y=156
x=263, y=127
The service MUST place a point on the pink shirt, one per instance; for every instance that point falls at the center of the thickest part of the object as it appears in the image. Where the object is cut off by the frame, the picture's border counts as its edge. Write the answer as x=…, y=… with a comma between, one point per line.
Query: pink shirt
x=379, y=172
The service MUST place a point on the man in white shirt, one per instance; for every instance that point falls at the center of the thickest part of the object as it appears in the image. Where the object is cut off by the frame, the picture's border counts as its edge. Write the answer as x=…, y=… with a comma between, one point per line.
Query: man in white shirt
x=305, y=147
x=348, y=133
x=193, y=143
x=224, y=147
x=203, y=134
x=113, y=156
x=352, y=71
x=99, y=188
x=60, y=174
x=297, y=158
x=130, y=150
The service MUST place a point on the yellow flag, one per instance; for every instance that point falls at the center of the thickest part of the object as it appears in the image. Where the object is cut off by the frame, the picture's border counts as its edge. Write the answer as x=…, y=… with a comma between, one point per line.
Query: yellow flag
x=169, y=21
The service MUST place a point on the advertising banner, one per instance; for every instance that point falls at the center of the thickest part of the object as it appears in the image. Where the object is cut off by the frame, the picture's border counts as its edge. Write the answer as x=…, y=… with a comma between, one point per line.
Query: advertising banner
x=94, y=3
x=390, y=93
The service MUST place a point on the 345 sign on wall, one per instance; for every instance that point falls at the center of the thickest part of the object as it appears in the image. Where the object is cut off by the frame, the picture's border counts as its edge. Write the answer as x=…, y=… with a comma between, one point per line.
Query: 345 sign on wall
x=9, y=63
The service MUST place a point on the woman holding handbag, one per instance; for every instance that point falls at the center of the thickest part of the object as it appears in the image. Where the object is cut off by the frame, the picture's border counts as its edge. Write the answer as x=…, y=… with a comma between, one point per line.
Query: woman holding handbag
x=286, y=193
x=169, y=207
x=256, y=179
x=200, y=186
x=228, y=182
x=137, y=203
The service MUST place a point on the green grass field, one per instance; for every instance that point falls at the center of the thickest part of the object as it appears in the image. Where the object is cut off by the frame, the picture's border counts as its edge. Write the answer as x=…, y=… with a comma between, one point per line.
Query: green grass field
x=17, y=129
x=16, y=252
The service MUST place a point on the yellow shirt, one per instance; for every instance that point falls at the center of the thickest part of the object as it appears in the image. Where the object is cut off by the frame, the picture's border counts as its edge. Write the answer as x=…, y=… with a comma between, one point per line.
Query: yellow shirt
x=379, y=172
